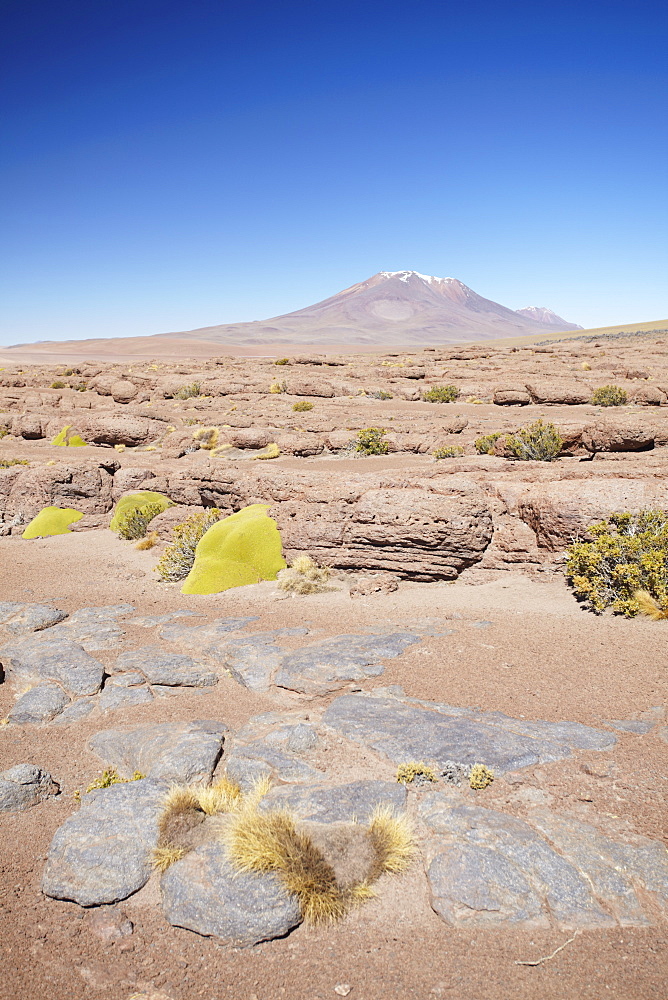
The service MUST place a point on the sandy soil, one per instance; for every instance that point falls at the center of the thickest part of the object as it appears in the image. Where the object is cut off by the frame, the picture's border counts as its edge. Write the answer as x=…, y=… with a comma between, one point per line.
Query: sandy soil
x=541, y=657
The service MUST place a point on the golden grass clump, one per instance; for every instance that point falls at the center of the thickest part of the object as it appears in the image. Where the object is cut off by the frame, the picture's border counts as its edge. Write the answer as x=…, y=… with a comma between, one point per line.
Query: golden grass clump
x=480, y=777
x=148, y=542
x=650, y=607
x=184, y=809
x=207, y=437
x=304, y=576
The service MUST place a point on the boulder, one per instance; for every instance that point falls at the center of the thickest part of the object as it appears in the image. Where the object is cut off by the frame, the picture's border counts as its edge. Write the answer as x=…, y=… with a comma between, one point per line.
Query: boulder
x=39, y=704
x=36, y=660
x=24, y=785
x=618, y=435
x=511, y=395
x=123, y=391
x=557, y=391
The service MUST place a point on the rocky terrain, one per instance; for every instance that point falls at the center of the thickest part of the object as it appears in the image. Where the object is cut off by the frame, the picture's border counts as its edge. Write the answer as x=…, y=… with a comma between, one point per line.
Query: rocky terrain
x=449, y=637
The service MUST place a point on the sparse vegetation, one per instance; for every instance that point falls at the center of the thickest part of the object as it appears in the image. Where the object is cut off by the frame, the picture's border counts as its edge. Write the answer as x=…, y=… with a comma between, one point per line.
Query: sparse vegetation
x=381, y=394
x=485, y=445
x=304, y=576
x=282, y=361
x=371, y=441
x=441, y=394
x=539, y=442
x=6, y=463
x=412, y=771
x=610, y=395
x=206, y=437
x=480, y=777
x=454, y=451
x=58, y=385
x=112, y=777
x=178, y=558
x=625, y=566
x=303, y=406
x=278, y=387
x=188, y=391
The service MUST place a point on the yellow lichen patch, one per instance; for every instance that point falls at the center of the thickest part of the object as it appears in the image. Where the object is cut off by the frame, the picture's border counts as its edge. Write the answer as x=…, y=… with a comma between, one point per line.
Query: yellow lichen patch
x=52, y=521
x=242, y=549
x=480, y=777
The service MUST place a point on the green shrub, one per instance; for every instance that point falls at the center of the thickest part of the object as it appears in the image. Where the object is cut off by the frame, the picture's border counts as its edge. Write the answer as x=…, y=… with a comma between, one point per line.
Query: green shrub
x=302, y=406
x=133, y=524
x=485, y=445
x=441, y=394
x=58, y=385
x=539, y=442
x=628, y=553
x=610, y=395
x=371, y=441
x=52, y=521
x=188, y=391
x=68, y=372
x=178, y=558
x=381, y=394
x=282, y=361
x=454, y=451
x=80, y=386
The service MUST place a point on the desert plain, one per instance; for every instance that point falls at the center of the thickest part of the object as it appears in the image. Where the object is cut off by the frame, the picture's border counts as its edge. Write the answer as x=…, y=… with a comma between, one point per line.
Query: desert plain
x=449, y=633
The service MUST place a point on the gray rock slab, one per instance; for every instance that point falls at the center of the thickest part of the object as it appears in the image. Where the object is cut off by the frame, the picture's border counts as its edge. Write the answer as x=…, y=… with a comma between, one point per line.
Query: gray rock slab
x=94, y=628
x=167, y=752
x=203, y=893
x=322, y=803
x=197, y=637
x=115, y=696
x=404, y=730
x=475, y=843
x=79, y=709
x=131, y=678
x=20, y=619
x=276, y=764
x=637, y=726
x=150, y=621
x=324, y=666
x=38, y=659
x=39, y=704
x=168, y=669
x=102, y=853
x=23, y=786
x=250, y=661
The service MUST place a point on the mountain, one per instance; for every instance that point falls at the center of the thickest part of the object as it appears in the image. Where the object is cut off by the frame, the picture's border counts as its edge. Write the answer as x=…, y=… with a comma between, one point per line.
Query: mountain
x=392, y=307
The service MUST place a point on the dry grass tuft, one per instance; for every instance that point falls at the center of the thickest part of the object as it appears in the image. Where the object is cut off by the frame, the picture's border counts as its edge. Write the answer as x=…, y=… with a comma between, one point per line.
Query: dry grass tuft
x=393, y=840
x=163, y=857
x=304, y=576
x=184, y=809
x=650, y=607
x=147, y=543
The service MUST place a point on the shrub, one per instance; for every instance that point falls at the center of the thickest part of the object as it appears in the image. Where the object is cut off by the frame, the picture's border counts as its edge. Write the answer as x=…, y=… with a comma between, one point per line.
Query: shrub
x=80, y=386
x=381, y=394
x=68, y=372
x=188, y=391
x=58, y=385
x=304, y=576
x=133, y=524
x=278, y=387
x=413, y=771
x=454, y=451
x=480, y=777
x=303, y=406
x=207, y=437
x=610, y=395
x=178, y=558
x=282, y=361
x=441, y=394
x=371, y=441
x=485, y=445
x=539, y=442
x=628, y=554
x=5, y=463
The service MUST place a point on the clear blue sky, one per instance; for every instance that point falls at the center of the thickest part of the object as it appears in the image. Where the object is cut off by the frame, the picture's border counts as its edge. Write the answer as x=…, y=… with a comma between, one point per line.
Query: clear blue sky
x=165, y=166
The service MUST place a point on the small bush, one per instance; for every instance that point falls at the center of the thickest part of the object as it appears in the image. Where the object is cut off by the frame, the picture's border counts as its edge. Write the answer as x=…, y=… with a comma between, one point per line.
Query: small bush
x=454, y=451
x=539, y=442
x=371, y=441
x=412, y=771
x=278, y=387
x=133, y=524
x=111, y=777
x=5, y=463
x=80, y=386
x=381, y=394
x=628, y=555
x=282, y=361
x=610, y=395
x=480, y=777
x=58, y=385
x=178, y=558
x=441, y=394
x=207, y=437
x=485, y=445
x=303, y=406
x=304, y=577
x=188, y=391
x=68, y=372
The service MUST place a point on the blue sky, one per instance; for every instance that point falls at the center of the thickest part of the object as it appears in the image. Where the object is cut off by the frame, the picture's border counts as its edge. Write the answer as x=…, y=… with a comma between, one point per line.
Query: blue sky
x=165, y=166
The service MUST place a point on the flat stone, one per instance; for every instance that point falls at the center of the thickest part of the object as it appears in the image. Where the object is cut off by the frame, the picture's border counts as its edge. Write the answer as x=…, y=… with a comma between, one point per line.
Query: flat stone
x=250, y=661
x=94, y=628
x=197, y=637
x=324, y=666
x=132, y=678
x=23, y=786
x=322, y=803
x=203, y=893
x=181, y=752
x=300, y=738
x=39, y=704
x=405, y=730
x=34, y=660
x=102, y=853
x=79, y=709
x=150, y=621
x=637, y=726
x=271, y=762
x=120, y=696
x=20, y=619
x=168, y=669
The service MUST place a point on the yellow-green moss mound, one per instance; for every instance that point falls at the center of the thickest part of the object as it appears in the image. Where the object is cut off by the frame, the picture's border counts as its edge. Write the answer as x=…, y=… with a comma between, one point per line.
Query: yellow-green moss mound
x=243, y=548
x=67, y=440
x=52, y=521
x=130, y=508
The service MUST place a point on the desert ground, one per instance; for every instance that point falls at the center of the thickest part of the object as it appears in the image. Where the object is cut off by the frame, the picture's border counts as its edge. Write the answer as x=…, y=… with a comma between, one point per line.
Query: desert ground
x=449, y=632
